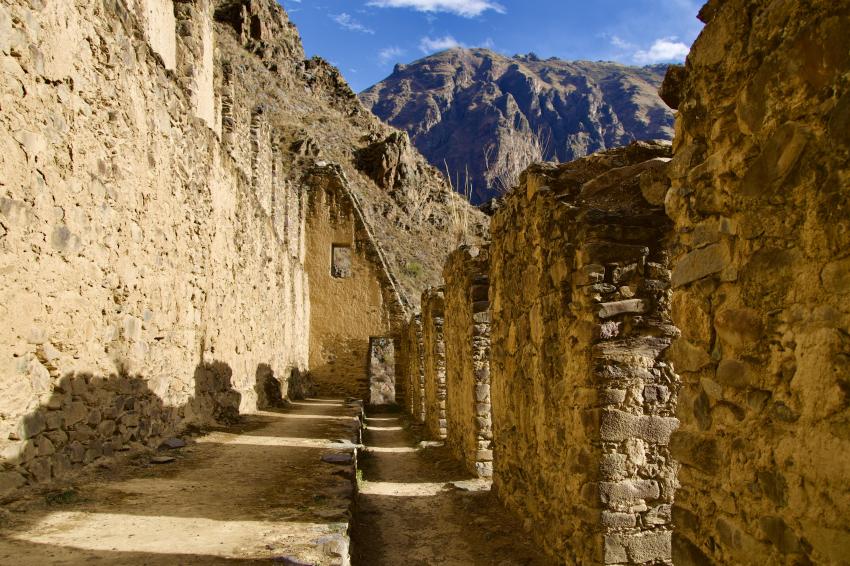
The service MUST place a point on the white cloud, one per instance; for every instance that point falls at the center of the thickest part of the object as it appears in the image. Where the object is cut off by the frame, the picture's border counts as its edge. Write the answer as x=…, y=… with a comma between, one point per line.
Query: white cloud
x=465, y=8
x=621, y=43
x=390, y=54
x=346, y=21
x=662, y=50
x=430, y=45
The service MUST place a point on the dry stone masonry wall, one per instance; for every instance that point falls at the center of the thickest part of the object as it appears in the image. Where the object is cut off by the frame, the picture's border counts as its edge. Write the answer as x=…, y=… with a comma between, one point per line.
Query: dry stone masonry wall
x=434, y=347
x=467, y=338
x=150, y=284
x=414, y=369
x=761, y=201
x=583, y=402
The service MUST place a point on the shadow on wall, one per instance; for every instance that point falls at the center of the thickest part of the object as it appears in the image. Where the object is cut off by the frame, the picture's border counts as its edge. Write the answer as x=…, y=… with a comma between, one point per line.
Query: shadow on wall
x=344, y=371
x=88, y=417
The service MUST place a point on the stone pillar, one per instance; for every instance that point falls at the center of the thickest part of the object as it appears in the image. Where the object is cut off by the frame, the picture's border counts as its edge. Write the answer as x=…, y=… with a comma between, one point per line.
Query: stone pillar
x=433, y=311
x=761, y=204
x=415, y=369
x=381, y=371
x=467, y=336
x=583, y=401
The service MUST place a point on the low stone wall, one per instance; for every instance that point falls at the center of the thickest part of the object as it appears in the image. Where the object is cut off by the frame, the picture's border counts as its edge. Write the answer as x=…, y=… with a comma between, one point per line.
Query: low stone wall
x=467, y=337
x=583, y=402
x=434, y=348
x=762, y=280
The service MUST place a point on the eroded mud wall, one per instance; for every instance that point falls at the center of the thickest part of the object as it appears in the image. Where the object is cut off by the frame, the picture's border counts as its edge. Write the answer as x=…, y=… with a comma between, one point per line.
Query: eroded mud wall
x=143, y=283
x=761, y=200
x=583, y=401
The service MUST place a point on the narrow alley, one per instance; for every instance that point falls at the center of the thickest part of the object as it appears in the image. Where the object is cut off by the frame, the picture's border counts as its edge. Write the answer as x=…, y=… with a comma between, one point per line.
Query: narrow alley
x=418, y=506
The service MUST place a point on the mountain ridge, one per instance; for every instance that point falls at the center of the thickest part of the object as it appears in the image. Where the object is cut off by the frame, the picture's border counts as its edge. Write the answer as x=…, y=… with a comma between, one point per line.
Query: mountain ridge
x=475, y=110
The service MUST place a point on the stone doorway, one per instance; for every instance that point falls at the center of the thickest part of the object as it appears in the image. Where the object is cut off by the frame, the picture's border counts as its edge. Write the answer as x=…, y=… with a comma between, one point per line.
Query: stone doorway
x=381, y=371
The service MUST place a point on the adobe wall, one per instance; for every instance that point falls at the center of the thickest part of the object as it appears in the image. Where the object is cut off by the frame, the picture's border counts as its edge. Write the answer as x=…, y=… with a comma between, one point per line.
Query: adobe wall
x=144, y=282
x=761, y=281
x=582, y=399
x=434, y=352
x=350, y=306
x=467, y=337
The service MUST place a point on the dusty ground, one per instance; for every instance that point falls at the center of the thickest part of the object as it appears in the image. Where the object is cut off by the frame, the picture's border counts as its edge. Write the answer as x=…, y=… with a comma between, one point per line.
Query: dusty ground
x=253, y=492
x=417, y=506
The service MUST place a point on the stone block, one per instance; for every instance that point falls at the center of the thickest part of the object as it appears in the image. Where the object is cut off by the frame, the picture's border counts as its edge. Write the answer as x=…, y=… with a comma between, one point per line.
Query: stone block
x=614, y=520
x=33, y=424
x=738, y=327
x=613, y=467
x=628, y=492
x=75, y=413
x=630, y=306
x=617, y=426
x=700, y=263
x=638, y=548
x=54, y=420
x=106, y=428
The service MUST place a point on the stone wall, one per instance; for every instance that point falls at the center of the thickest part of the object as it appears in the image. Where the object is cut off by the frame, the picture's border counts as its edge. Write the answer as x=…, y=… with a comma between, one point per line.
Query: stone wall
x=761, y=204
x=583, y=402
x=146, y=283
x=467, y=337
x=349, y=304
x=434, y=351
x=414, y=368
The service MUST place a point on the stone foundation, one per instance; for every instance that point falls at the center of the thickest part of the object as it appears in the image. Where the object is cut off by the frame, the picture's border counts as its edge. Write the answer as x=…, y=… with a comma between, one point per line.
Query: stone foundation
x=433, y=313
x=467, y=338
x=583, y=402
x=761, y=204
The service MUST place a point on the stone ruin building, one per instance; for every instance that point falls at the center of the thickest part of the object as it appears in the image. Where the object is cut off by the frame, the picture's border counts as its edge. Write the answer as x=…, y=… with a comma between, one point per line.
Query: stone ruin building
x=647, y=351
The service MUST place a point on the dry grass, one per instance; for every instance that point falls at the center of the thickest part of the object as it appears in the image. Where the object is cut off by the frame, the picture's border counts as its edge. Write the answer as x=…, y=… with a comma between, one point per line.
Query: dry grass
x=516, y=152
x=459, y=207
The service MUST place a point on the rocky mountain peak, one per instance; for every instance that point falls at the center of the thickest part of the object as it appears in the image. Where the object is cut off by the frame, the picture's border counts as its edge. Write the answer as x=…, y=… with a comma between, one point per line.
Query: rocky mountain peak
x=475, y=111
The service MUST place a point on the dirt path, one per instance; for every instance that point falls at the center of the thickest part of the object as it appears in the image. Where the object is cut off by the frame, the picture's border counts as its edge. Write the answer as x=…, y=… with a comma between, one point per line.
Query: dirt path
x=253, y=492
x=417, y=506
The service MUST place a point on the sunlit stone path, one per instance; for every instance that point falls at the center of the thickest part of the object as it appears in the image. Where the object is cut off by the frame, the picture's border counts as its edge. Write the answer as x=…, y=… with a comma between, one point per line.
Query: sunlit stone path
x=255, y=492
x=418, y=506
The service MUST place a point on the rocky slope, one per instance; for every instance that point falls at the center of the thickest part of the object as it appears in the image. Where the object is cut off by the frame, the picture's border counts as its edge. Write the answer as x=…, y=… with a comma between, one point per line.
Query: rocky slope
x=318, y=119
x=461, y=105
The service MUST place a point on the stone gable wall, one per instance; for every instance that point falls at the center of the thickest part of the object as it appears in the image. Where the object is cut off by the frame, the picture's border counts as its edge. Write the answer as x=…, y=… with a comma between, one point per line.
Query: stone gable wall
x=583, y=402
x=761, y=201
x=467, y=337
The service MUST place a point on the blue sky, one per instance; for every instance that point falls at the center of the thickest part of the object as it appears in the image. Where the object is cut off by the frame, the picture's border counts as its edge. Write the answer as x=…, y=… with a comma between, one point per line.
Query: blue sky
x=365, y=38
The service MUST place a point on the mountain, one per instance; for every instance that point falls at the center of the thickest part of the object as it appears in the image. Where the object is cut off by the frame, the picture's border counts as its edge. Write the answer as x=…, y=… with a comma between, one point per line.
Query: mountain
x=465, y=109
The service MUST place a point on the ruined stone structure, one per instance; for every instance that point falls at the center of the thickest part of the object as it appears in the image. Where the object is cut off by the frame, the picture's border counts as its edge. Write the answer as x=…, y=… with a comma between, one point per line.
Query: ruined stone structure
x=170, y=210
x=434, y=347
x=352, y=298
x=761, y=201
x=583, y=402
x=467, y=338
